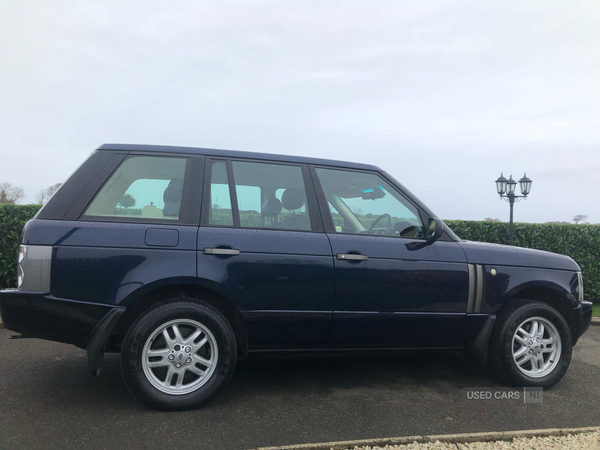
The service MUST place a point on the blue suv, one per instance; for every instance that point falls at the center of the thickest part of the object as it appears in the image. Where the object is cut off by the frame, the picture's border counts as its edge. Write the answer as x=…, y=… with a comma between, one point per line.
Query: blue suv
x=185, y=259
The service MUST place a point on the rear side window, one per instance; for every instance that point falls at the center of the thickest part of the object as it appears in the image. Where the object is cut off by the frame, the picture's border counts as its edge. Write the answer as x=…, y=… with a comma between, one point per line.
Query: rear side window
x=257, y=186
x=142, y=188
x=266, y=195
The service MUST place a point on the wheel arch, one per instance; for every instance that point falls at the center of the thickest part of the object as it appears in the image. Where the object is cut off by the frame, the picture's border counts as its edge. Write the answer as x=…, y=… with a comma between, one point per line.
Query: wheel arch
x=137, y=304
x=551, y=294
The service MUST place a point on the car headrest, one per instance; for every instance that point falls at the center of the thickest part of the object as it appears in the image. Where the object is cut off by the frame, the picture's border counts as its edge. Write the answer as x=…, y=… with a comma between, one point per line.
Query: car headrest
x=293, y=198
x=173, y=191
x=271, y=207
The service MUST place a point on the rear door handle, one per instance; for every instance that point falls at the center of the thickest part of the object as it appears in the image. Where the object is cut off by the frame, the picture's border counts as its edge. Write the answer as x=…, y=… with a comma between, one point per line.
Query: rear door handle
x=351, y=257
x=221, y=251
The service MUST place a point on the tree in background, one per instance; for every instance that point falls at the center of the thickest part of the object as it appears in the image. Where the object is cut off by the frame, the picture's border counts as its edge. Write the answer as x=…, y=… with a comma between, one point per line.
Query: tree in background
x=44, y=195
x=127, y=201
x=10, y=193
x=579, y=218
x=489, y=219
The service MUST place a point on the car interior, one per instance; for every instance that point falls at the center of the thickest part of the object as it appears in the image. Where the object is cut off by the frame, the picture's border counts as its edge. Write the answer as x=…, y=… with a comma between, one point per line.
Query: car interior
x=364, y=203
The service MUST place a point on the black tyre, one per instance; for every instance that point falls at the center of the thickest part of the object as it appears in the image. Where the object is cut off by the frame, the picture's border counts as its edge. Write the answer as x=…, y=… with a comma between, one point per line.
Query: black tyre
x=531, y=345
x=178, y=355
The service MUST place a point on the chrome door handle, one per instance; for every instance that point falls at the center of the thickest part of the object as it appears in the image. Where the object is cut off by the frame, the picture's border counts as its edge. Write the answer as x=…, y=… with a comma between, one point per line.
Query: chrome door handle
x=351, y=257
x=221, y=251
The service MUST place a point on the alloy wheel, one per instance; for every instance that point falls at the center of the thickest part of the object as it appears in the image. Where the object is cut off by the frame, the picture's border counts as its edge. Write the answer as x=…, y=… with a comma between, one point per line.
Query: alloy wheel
x=536, y=347
x=180, y=356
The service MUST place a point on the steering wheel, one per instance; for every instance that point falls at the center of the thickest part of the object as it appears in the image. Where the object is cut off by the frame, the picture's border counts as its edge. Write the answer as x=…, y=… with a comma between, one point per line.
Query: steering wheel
x=389, y=225
x=405, y=228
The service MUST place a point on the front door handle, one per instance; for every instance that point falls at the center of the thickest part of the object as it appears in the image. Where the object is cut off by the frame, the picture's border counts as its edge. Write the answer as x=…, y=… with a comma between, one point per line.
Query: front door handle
x=221, y=251
x=351, y=257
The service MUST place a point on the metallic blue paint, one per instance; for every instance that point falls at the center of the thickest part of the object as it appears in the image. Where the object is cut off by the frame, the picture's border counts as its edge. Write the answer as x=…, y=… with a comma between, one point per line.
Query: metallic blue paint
x=42, y=315
x=282, y=282
x=288, y=286
x=511, y=282
x=506, y=255
x=398, y=296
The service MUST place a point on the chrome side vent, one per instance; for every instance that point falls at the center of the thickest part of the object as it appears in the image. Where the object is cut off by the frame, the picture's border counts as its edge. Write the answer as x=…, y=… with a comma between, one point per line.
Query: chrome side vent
x=476, y=288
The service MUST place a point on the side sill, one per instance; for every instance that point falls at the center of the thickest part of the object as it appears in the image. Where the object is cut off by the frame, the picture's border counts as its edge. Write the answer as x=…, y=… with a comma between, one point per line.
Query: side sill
x=344, y=350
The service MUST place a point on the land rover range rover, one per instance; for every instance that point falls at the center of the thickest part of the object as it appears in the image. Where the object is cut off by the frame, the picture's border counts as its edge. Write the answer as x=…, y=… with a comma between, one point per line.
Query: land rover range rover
x=183, y=259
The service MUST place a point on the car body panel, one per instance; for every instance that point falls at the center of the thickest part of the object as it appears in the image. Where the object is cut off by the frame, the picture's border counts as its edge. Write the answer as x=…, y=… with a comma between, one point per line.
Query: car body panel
x=288, y=287
x=398, y=296
x=282, y=282
x=506, y=255
x=110, y=263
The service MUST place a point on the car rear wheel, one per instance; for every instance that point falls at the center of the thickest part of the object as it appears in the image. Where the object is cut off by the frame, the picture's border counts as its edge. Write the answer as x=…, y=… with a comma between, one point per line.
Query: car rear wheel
x=178, y=355
x=531, y=345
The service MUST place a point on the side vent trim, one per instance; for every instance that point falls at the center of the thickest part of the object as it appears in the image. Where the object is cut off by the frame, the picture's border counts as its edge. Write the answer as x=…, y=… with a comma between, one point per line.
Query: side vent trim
x=472, y=284
x=476, y=288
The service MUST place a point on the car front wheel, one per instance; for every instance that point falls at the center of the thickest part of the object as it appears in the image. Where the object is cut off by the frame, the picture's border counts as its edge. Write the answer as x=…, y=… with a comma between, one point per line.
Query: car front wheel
x=178, y=355
x=531, y=345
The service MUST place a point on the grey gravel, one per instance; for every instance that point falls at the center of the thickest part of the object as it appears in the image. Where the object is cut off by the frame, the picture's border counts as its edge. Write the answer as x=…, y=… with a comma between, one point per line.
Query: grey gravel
x=583, y=441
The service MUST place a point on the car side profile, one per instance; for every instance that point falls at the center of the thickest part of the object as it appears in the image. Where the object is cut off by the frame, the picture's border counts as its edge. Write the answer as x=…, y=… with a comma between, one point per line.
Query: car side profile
x=184, y=259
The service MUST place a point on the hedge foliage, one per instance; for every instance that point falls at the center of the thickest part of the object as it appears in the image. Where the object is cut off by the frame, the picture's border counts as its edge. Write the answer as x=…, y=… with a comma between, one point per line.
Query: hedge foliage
x=580, y=242
x=12, y=220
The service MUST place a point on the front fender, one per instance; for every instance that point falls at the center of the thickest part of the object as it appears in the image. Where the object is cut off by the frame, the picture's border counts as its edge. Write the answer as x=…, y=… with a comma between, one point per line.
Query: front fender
x=504, y=283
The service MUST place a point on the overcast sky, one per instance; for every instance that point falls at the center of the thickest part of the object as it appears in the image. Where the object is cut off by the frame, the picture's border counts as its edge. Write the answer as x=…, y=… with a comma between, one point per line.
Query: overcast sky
x=444, y=95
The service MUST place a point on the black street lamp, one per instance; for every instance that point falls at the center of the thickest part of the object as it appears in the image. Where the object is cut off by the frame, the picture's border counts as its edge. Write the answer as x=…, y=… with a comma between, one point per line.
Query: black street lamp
x=506, y=190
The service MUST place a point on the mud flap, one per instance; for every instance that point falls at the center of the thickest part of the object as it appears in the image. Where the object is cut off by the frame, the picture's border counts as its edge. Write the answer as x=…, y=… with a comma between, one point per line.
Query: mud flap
x=96, y=343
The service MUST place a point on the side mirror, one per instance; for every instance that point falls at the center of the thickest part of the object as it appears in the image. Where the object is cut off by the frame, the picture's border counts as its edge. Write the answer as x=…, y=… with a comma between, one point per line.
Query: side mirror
x=435, y=230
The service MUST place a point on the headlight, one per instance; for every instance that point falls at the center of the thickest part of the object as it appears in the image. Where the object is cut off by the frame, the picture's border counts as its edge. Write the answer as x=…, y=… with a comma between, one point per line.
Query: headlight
x=579, y=289
x=33, y=270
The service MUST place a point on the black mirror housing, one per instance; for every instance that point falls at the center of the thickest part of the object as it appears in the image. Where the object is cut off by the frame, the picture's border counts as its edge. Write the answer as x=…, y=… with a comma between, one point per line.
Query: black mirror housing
x=435, y=230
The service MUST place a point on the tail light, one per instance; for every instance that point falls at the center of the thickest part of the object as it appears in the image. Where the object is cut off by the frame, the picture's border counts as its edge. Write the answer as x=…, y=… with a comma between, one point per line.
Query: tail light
x=33, y=270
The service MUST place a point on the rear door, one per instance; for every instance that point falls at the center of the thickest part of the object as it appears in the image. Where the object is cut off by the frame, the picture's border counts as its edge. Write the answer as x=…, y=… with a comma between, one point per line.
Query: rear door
x=261, y=243
x=391, y=288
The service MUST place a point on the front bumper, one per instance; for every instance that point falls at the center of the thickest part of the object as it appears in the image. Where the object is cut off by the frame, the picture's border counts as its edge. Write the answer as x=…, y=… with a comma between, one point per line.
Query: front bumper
x=583, y=314
x=40, y=315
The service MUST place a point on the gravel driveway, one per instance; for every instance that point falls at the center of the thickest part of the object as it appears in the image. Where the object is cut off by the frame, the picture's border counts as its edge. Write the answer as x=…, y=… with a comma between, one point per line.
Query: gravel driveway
x=584, y=441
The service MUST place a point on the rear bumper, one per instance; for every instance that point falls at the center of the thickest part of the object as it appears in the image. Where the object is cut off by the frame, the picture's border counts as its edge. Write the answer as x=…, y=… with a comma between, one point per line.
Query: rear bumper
x=583, y=314
x=43, y=316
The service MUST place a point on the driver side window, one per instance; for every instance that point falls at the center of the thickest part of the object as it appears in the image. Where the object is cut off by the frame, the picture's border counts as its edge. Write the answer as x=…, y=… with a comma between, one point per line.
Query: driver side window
x=365, y=203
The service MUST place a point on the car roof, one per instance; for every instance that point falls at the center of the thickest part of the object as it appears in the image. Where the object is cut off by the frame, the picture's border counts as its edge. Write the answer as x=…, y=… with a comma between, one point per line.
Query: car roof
x=237, y=154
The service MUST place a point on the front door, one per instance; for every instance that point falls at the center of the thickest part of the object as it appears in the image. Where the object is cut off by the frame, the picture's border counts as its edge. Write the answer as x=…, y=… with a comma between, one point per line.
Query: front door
x=391, y=289
x=262, y=244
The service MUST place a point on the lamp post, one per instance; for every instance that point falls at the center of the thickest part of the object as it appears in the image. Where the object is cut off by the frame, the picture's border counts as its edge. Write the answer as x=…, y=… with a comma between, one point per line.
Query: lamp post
x=506, y=190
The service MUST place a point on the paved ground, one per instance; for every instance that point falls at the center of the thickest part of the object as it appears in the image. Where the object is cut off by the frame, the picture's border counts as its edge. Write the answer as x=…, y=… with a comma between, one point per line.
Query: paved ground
x=48, y=400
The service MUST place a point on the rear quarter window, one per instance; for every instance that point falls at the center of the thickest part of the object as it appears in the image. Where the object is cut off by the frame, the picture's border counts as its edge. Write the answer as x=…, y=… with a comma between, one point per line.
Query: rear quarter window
x=142, y=188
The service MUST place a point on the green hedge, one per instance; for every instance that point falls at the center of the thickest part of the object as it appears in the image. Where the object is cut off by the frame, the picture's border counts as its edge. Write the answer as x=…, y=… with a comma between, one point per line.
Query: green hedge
x=12, y=220
x=580, y=242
